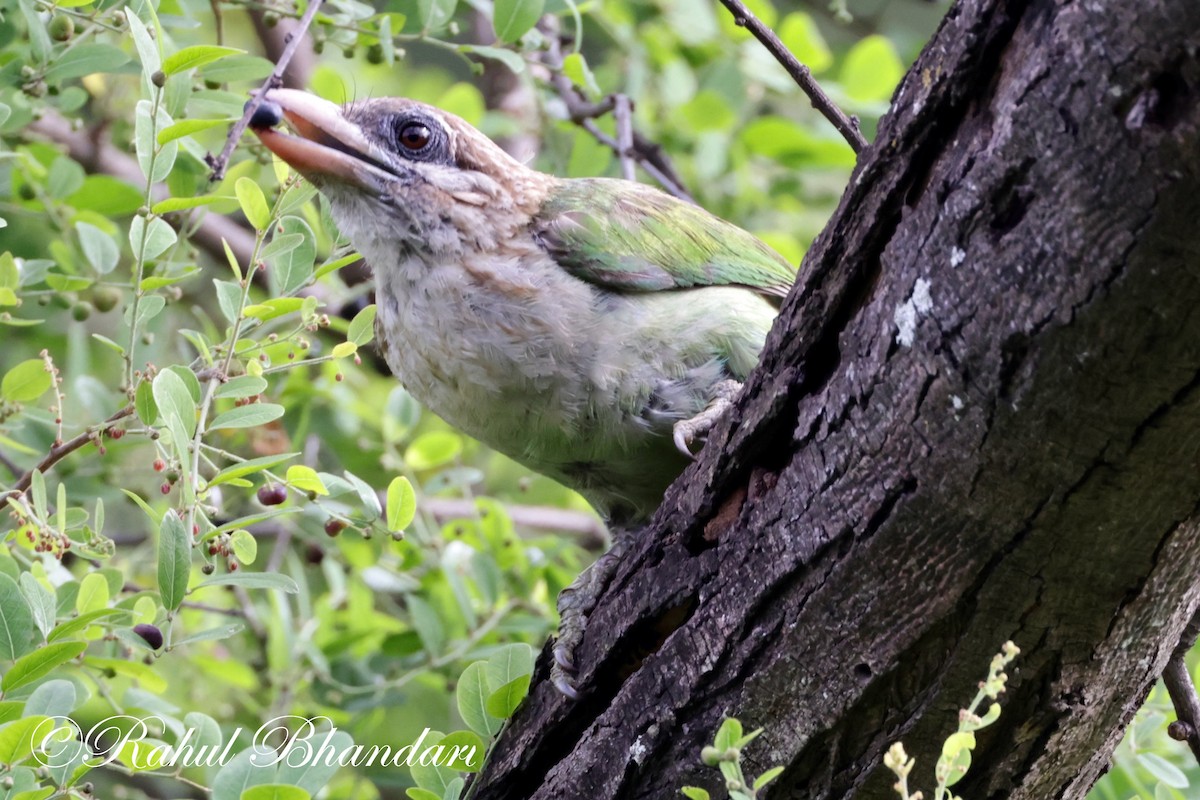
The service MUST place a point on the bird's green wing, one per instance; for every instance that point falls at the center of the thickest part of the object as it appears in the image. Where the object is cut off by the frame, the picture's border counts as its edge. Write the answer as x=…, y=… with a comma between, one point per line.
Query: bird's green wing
x=630, y=237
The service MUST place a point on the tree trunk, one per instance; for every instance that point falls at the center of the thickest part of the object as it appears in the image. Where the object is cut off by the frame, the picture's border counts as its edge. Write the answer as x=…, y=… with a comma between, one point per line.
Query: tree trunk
x=977, y=419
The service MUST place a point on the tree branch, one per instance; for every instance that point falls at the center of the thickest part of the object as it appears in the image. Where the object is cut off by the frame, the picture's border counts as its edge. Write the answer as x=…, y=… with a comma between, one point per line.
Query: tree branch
x=273, y=81
x=801, y=74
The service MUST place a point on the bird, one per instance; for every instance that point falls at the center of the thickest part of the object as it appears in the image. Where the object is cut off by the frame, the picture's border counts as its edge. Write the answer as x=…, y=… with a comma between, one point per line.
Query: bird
x=592, y=329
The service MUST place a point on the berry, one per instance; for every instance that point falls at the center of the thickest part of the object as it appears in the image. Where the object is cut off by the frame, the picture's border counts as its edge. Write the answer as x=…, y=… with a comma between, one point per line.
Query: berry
x=159, y=465
x=334, y=526
x=61, y=28
x=151, y=634
x=272, y=494
x=105, y=298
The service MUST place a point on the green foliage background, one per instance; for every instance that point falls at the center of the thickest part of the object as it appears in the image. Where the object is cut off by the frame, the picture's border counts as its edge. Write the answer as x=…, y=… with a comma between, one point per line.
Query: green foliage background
x=121, y=324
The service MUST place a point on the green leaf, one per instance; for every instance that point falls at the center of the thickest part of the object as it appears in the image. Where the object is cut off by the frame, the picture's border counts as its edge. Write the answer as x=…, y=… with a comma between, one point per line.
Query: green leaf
x=196, y=56
x=245, y=468
x=146, y=47
x=184, y=203
x=179, y=130
x=26, y=382
x=86, y=59
x=728, y=734
x=362, y=327
x=252, y=580
x=1163, y=770
x=305, y=479
x=509, y=663
x=401, y=504
x=504, y=701
x=293, y=267
x=54, y=698
x=155, y=161
x=767, y=777
x=471, y=695
x=39, y=663
x=275, y=791
x=433, y=449
x=314, y=773
x=143, y=403
x=151, y=680
x=871, y=70
x=98, y=247
x=16, y=620
x=237, y=69
x=513, y=18
x=275, y=307
x=229, y=298
x=150, y=239
x=417, y=793
x=434, y=14
x=174, y=559
x=211, y=634
x=93, y=593
x=247, y=416
x=244, y=545
x=695, y=793
x=41, y=602
x=17, y=738
x=426, y=623
x=174, y=400
x=73, y=626
x=253, y=202
x=241, y=387
x=801, y=35
x=507, y=57
x=464, y=751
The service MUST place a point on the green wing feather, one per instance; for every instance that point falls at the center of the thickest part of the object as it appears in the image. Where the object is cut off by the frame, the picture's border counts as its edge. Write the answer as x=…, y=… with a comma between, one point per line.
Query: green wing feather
x=631, y=237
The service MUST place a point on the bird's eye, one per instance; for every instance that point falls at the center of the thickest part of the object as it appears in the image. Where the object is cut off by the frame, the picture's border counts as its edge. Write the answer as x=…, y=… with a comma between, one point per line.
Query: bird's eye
x=414, y=136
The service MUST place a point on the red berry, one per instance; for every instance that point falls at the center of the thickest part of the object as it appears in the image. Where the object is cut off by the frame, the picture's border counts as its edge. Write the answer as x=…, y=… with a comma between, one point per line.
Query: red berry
x=165, y=488
x=115, y=433
x=334, y=526
x=159, y=465
x=272, y=494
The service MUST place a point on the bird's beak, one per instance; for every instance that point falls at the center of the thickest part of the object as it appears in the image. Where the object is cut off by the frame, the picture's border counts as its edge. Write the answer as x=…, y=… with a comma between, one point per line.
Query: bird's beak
x=326, y=146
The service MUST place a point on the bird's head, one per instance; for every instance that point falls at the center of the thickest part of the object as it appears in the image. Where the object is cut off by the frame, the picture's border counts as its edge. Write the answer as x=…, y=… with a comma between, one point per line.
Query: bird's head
x=402, y=172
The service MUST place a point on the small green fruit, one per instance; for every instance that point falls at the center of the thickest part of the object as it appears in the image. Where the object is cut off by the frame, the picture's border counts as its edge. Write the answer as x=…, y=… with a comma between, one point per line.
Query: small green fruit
x=375, y=54
x=61, y=28
x=81, y=310
x=105, y=298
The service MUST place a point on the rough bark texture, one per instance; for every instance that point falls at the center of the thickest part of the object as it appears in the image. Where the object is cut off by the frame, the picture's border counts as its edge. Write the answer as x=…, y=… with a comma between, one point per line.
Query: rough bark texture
x=976, y=421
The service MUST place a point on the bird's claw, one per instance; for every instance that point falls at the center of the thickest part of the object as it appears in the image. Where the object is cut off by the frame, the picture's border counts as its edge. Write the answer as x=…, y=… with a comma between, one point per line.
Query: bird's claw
x=687, y=431
x=562, y=671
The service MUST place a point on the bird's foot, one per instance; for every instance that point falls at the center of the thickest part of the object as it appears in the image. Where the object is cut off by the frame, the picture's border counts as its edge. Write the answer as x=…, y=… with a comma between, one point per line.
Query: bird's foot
x=575, y=604
x=687, y=431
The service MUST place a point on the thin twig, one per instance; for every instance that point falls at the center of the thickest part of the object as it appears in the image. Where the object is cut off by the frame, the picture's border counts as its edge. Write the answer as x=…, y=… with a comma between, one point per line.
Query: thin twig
x=802, y=75
x=273, y=81
x=622, y=114
x=648, y=155
x=1182, y=691
x=59, y=452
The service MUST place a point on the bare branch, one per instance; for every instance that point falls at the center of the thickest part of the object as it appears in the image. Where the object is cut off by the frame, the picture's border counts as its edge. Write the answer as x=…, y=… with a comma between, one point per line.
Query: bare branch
x=802, y=75
x=59, y=452
x=275, y=80
x=648, y=155
x=622, y=111
x=1179, y=684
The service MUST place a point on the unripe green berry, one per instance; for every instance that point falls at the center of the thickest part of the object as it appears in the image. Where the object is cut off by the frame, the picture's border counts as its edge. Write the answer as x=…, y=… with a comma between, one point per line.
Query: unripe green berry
x=105, y=298
x=271, y=19
x=61, y=28
x=81, y=310
x=375, y=54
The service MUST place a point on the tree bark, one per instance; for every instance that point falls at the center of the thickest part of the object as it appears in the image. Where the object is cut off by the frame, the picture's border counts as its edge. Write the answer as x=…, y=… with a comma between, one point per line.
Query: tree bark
x=976, y=420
